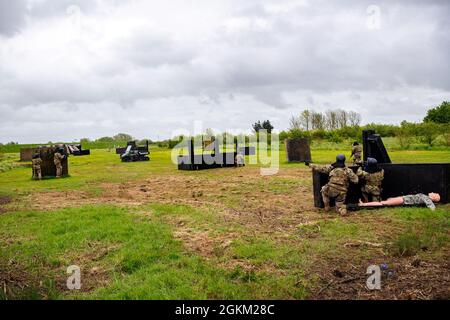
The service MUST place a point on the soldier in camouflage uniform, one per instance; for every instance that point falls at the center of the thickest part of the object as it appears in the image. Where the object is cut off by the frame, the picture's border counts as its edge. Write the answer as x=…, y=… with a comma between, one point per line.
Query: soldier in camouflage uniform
x=409, y=200
x=373, y=177
x=240, y=160
x=57, y=159
x=36, y=164
x=357, y=151
x=339, y=179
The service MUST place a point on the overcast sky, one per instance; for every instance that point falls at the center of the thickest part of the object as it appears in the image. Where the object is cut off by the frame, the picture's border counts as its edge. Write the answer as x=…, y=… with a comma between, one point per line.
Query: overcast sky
x=71, y=69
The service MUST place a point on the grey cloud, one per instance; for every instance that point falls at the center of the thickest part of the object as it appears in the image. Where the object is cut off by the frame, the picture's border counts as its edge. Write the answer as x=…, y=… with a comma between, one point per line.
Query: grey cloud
x=49, y=8
x=272, y=60
x=12, y=16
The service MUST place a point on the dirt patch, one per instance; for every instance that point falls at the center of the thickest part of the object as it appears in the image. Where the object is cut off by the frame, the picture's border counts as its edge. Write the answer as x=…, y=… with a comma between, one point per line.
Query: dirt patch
x=236, y=198
x=402, y=279
x=202, y=243
x=16, y=284
x=4, y=200
x=93, y=273
x=58, y=200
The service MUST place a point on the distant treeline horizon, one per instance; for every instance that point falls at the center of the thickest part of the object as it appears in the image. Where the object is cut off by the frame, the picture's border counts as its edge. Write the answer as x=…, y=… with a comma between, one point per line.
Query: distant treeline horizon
x=333, y=126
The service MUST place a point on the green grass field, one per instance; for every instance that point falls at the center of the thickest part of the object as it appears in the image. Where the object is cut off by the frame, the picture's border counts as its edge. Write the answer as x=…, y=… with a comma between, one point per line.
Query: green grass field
x=148, y=231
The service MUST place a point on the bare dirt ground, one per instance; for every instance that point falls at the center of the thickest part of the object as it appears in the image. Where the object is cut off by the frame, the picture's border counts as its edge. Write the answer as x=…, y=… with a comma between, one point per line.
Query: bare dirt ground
x=272, y=206
x=247, y=199
x=402, y=279
x=3, y=202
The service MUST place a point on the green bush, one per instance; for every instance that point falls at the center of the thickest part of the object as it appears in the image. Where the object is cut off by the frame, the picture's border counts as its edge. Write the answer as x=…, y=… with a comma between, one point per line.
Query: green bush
x=318, y=134
x=299, y=134
x=333, y=136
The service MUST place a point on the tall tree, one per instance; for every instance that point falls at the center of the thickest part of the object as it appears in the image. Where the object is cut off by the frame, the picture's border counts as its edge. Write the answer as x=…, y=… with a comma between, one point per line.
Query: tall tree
x=123, y=137
x=331, y=119
x=341, y=118
x=317, y=121
x=264, y=125
x=257, y=126
x=305, y=118
x=354, y=118
x=295, y=123
x=268, y=126
x=440, y=114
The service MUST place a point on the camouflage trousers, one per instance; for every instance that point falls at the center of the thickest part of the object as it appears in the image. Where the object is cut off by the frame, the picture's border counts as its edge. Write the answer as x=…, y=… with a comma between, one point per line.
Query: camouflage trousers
x=339, y=196
x=357, y=161
x=59, y=170
x=371, y=193
x=37, y=173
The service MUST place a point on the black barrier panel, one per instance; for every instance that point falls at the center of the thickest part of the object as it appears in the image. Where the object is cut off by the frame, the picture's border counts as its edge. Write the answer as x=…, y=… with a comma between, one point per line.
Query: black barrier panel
x=202, y=161
x=26, y=154
x=374, y=147
x=81, y=152
x=298, y=150
x=399, y=180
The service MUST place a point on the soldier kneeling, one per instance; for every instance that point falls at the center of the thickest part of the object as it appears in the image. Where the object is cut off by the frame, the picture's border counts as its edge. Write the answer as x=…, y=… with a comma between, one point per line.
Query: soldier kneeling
x=373, y=176
x=339, y=179
x=36, y=164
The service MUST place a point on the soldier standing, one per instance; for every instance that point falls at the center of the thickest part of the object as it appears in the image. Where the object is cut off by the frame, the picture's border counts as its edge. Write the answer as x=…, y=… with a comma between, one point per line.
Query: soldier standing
x=58, y=157
x=240, y=160
x=373, y=176
x=36, y=164
x=339, y=179
x=357, y=151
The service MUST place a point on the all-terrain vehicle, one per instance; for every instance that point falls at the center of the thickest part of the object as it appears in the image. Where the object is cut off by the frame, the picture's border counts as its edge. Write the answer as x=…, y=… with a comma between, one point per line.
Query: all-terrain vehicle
x=133, y=155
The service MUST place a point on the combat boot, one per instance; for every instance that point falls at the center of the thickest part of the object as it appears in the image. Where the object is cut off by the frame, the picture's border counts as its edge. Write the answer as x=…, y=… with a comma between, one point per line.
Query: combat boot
x=342, y=211
x=326, y=203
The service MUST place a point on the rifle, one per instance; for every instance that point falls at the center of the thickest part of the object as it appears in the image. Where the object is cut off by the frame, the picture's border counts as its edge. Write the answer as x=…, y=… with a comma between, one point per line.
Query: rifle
x=356, y=207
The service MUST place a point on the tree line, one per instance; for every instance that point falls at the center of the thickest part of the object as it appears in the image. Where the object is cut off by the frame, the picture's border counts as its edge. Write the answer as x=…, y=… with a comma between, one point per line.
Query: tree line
x=338, y=125
x=329, y=120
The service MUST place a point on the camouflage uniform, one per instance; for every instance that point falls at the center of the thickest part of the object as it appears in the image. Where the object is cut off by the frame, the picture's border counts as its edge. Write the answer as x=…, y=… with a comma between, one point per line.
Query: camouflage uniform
x=419, y=199
x=337, y=186
x=357, y=154
x=36, y=164
x=372, y=187
x=58, y=157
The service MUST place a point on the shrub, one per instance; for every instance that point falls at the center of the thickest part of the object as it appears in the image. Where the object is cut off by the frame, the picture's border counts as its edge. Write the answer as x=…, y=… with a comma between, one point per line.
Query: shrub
x=318, y=134
x=333, y=136
x=298, y=134
x=428, y=132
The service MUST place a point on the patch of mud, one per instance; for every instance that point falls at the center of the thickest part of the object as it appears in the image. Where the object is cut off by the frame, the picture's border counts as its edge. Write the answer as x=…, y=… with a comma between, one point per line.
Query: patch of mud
x=402, y=279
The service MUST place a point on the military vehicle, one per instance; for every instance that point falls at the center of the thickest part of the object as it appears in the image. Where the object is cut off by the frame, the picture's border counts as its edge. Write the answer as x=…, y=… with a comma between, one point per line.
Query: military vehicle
x=133, y=153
